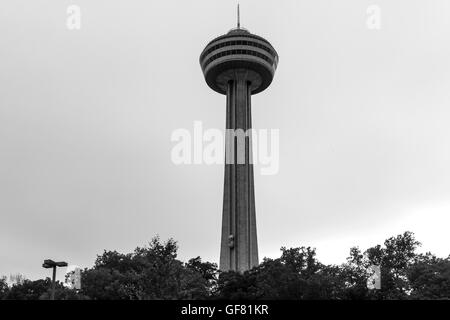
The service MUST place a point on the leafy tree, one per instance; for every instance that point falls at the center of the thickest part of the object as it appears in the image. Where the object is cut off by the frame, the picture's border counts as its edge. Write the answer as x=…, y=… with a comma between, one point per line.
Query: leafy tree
x=236, y=286
x=38, y=290
x=394, y=259
x=151, y=272
x=298, y=275
x=295, y=275
x=354, y=275
x=278, y=279
x=201, y=279
x=429, y=277
x=28, y=290
x=4, y=288
x=154, y=272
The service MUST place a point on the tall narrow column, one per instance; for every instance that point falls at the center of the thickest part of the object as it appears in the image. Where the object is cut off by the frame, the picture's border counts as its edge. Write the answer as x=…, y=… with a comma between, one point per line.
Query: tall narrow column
x=239, y=250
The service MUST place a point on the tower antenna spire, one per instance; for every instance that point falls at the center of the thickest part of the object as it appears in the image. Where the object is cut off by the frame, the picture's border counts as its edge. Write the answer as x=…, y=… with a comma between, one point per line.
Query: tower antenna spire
x=238, y=17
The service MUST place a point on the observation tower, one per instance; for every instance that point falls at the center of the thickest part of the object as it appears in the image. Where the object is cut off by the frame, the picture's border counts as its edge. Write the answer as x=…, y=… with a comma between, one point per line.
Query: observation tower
x=238, y=64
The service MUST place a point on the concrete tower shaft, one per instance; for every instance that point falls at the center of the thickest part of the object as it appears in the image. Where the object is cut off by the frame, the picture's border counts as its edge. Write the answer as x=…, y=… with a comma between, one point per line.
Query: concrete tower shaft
x=239, y=249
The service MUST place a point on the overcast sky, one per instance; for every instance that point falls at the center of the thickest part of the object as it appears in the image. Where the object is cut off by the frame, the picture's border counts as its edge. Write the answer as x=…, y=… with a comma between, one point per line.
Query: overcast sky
x=86, y=118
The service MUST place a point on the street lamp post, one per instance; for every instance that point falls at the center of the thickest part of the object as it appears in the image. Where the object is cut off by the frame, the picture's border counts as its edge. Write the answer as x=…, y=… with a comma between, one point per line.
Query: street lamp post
x=52, y=264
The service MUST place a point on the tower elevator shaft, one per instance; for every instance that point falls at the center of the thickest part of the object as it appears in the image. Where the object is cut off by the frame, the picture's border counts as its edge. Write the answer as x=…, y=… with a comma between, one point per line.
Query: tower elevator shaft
x=239, y=248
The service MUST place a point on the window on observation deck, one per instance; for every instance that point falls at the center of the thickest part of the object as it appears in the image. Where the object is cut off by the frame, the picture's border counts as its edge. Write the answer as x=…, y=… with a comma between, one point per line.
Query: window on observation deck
x=232, y=52
x=239, y=42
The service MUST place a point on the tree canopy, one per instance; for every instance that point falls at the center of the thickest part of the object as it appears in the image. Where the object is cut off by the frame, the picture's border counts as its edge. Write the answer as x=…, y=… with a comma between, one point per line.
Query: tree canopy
x=154, y=272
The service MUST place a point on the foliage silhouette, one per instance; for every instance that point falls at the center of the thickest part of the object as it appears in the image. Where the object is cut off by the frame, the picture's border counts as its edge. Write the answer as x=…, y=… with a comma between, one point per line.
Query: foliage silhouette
x=154, y=272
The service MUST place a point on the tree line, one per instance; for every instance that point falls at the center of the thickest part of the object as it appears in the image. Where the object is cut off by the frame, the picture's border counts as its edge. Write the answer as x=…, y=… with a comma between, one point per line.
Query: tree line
x=154, y=272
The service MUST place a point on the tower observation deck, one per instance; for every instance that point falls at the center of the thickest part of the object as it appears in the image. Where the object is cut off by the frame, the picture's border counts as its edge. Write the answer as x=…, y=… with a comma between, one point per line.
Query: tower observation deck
x=238, y=65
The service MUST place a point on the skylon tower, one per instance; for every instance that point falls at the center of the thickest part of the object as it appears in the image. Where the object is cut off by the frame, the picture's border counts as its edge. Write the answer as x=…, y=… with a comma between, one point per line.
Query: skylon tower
x=238, y=64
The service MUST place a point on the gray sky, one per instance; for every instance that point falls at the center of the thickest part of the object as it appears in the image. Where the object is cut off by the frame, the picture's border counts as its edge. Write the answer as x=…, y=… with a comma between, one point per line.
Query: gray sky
x=86, y=118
